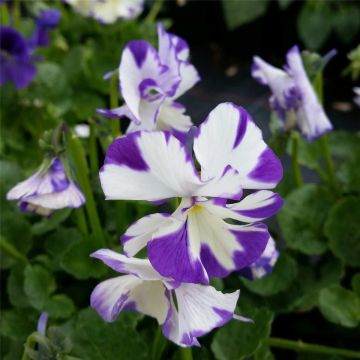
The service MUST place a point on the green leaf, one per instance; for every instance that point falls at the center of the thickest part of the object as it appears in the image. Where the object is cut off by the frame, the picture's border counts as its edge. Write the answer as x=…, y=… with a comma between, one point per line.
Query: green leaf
x=342, y=229
x=284, y=4
x=58, y=243
x=237, y=340
x=95, y=339
x=16, y=230
x=314, y=24
x=15, y=287
x=281, y=278
x=340, y=306
x=59, y=307
x=39, y=284
x=51, y=223
x=242, y=12
x=77, y=261
x=303, y=216
x=355, y=283
x=263, y=353
x=346, y=22
x=86, y=103
x=18, y=324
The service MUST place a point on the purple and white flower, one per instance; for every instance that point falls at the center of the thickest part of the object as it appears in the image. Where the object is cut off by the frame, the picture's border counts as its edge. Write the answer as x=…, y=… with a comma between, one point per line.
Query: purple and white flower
x=47, y=190
x=357, y=97
x=151, y=81
x=195, y=243
x=199, y=309
x=264, y=265
x=16, y=60
x=293, y=97
x=47, y=20
x=108, y=11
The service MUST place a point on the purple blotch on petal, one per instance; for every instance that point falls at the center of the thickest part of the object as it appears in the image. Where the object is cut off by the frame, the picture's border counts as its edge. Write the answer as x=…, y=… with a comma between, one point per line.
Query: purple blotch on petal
x=125, y=151
x=139, y=50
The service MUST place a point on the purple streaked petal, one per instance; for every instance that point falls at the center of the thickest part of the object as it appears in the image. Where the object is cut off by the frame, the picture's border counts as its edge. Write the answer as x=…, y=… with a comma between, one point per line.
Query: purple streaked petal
x=140, y=233
x=200, y=310
x=140, y=268
x=312, y=119
x=230, y=137
x=170, y=253
x=148, y=166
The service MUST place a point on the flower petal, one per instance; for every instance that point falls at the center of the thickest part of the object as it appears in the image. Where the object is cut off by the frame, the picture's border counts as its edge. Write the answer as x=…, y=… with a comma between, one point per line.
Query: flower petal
x=202, y=245
x=141, y=268
x=312, y=119
x=229, y=137
x=254, y=207
x=189, y=77
x=264, y=265
x=148, y=166
x=140, y=233
x=200, y=309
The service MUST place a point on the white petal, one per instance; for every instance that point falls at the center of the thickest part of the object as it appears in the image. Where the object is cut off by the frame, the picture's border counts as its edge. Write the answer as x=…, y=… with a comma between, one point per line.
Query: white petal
x=230, y=137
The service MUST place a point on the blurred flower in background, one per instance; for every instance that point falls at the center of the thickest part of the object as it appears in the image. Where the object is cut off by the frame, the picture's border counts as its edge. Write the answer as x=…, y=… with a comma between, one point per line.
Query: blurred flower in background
x=108, y=11
x=293, y=97
x=47, y=20
x=16, y=59
x=47, y=190
x=357, y=97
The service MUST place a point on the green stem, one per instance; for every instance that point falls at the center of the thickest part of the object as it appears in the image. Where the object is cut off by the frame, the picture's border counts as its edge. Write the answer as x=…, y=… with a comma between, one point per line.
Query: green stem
x=94, y=160
x=158, y=345
x=81, y=221
x=30, y=344
x=12, y=251
x=4, y=15
x=114, y=94
x=295, y=159
x=329, y=165
x=312, y=348
x=154, y=11
x=186, y=354
x=82, y=172
x=16, y=14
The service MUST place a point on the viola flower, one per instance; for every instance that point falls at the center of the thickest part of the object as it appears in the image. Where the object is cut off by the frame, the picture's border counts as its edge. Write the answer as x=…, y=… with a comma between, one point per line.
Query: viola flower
x=264, y=265
x=293, y=97
x=47, y=190
x=151, y=81
x=195, y=243
x=357, y=97
x=16, y=61
x=108, y=11
x=47, y=20
x=199, y=308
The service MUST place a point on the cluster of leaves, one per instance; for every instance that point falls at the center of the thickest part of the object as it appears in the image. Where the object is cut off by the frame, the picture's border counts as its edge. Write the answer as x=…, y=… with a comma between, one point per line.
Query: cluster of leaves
x=317, y=20
x=46, y=265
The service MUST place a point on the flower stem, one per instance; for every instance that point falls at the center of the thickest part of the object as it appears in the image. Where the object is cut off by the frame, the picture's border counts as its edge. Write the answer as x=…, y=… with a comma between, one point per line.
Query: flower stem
x=158, y=345
x=295, y=159
x=154, y=11
x=186, y=354
x=12, y=251
x=30, y=344
x=4, y=15
x=81, y=221
x=94, y=160
x=329, y=165
x=115, y=124
x=82, y=172
x=312, y=348
x=16, y=14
